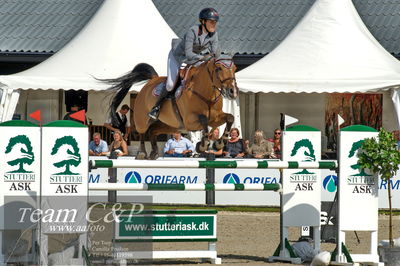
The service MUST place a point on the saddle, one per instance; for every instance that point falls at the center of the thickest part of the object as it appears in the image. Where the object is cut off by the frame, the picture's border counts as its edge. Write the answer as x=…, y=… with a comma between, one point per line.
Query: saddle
x=180, y=85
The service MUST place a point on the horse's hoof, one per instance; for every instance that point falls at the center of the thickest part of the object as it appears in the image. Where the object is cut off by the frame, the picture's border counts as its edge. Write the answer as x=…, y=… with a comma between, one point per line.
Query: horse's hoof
x=219, y=144
x=141, y=156
x=153, y=156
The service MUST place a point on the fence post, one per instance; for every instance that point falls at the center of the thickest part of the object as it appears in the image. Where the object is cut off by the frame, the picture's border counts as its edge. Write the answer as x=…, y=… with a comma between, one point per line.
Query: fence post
x=112, y=174
x=210, y=179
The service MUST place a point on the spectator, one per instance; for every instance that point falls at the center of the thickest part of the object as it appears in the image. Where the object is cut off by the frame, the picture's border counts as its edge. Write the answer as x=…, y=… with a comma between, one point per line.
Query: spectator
x=178, y=146
x=277, y=143
x=122, y=122
x=213, y=136
x=261, y=148
x=74, y=108
x=235, y=147
x=98, y=147
x=396, y=135
x=119, y=145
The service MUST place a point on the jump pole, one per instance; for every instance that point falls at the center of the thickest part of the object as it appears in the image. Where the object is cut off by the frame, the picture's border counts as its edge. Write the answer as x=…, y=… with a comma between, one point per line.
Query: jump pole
x=244, y=164
x=184, y=187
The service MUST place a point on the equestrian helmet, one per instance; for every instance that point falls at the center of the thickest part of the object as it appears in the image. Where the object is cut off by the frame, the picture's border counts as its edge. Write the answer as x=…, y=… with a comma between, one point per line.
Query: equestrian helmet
x=209, y=13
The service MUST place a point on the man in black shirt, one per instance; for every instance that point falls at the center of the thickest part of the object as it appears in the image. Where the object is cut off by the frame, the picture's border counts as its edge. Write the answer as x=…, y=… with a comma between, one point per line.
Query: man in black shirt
x=122, y=122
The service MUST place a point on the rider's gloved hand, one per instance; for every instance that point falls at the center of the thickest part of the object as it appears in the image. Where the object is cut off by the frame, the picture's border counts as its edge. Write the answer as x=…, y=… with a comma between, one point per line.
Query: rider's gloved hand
x=207, y=57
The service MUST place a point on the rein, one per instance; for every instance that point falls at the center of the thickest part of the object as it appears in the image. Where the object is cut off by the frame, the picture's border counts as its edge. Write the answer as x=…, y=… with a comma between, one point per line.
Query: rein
x=210, y=103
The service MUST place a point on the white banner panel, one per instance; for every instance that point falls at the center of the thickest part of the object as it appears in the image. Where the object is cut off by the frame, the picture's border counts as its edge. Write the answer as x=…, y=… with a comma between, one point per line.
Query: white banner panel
x=301, y=187
x=64, y=177
x=247, y=176
x=19, y=165
x=154, y=176
x=64, y=159
x=358, y=190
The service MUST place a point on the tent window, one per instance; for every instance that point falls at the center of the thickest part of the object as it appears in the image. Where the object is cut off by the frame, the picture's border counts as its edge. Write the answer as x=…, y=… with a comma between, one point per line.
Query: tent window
x=79, y=97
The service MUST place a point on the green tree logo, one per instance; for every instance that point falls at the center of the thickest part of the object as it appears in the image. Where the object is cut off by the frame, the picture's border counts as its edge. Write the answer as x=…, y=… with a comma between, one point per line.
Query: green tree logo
x=307, y=156
x=353, y=152
x=69, y=147
x=25, y=155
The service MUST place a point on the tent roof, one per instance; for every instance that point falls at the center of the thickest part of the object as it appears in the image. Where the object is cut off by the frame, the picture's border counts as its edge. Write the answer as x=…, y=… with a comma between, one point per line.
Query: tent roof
x=111, y=44
x=330, y=50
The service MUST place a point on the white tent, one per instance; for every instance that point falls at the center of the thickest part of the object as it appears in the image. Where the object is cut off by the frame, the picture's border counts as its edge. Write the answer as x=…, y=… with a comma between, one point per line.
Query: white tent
x=121, y=34
x=330, y=50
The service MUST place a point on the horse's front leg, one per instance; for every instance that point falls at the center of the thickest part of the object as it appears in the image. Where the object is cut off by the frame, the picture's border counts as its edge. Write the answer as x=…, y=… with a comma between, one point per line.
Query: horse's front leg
x=203, y=146
x=153, y=133
x=228, y=119
x=154, y=147
x=141, y=154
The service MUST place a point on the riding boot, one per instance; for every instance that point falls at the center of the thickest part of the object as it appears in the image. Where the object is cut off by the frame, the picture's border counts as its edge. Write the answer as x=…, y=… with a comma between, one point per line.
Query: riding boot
x=155, y=111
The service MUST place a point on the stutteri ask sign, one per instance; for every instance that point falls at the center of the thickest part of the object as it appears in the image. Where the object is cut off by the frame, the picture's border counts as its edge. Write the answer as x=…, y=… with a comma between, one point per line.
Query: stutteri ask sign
x=168, y=225
x=64, y=159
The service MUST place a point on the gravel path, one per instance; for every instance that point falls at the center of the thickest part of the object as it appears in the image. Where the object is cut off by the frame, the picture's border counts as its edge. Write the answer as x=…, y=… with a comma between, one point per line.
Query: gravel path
x=249, y=238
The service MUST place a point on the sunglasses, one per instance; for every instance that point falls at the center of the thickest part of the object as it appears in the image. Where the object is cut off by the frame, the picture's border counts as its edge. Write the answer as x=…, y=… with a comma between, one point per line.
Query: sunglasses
x=277, y=133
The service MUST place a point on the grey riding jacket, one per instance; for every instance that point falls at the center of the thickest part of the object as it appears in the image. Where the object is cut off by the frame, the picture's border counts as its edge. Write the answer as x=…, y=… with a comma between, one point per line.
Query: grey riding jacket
x=194, y=45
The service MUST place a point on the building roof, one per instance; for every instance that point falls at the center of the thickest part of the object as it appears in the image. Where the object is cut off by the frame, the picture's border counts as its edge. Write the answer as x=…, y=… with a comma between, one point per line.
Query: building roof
x=246, y=26
x=258, y=26
x=42, y=25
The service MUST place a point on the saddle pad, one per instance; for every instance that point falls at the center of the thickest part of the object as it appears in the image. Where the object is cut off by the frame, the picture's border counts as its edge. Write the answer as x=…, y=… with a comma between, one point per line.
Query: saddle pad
x=157, y=89
x=161, y=86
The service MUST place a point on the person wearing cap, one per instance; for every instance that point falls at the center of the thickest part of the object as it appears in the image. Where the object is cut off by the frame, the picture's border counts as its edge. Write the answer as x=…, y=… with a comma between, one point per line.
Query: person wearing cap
x=178, y=146
x=199, y=43
x=121, y=122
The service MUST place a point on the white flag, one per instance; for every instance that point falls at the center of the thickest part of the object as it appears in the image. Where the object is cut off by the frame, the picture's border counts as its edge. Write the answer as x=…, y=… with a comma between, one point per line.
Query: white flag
x=340, y=121
x=290, y=120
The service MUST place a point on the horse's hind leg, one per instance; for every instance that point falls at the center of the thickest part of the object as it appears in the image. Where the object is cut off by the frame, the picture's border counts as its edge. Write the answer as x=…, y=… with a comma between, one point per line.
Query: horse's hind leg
x=154, y=130
x=142, y=154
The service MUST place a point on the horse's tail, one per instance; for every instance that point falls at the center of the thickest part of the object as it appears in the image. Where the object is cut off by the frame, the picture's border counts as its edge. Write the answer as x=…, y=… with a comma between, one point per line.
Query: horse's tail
x=122, y=84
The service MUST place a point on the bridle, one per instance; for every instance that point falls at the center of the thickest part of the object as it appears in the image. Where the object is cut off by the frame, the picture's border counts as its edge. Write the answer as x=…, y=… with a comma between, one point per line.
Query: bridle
x=220, y=91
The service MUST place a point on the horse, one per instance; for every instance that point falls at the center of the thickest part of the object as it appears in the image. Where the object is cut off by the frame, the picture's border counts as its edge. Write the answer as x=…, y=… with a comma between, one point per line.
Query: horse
x=198, y=106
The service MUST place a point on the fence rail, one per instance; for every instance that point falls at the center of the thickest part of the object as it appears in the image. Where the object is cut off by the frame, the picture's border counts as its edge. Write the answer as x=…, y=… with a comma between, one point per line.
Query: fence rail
x=248, y=164
x=185, y=187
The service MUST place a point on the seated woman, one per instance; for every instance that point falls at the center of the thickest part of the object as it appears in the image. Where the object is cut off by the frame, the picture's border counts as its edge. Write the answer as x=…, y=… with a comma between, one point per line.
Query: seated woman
x=119, y=146
x=276, y=141
x=235, y=147
x=261, y=148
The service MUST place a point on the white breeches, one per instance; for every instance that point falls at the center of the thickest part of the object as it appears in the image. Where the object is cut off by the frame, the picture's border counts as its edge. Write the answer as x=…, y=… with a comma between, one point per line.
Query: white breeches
x=172, y=71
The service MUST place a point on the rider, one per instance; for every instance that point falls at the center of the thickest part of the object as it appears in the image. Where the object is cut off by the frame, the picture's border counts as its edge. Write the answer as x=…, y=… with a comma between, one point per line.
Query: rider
x=191, y=49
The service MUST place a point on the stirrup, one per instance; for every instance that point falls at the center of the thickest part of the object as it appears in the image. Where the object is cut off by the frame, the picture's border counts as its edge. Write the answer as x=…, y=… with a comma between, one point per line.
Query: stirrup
x=153, y=114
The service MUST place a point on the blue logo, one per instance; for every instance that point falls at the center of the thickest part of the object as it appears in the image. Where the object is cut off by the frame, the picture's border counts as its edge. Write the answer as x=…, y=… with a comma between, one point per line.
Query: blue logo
x=231, y=178
x=330, y=183
x=133, y=177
